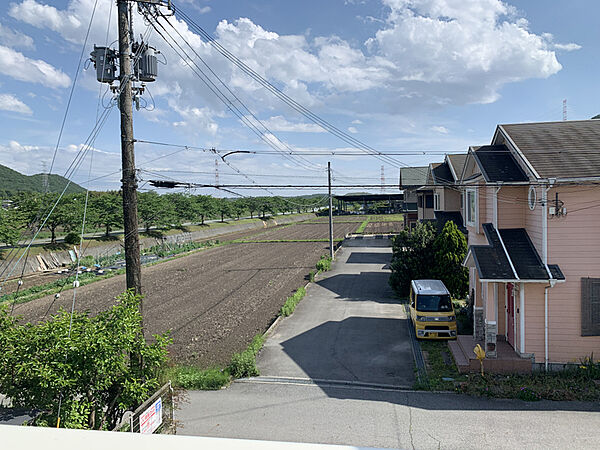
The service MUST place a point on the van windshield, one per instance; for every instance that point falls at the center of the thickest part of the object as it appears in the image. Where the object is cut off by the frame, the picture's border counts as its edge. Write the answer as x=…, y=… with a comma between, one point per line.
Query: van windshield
x=434, y=303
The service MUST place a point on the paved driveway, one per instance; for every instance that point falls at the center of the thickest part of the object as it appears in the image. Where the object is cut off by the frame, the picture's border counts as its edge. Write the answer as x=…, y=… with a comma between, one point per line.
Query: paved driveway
x=349, y=328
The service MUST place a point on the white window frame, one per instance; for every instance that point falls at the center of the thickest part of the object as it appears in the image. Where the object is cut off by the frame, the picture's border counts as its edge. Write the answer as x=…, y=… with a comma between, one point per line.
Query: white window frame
x=436, y=202
x=471, y=215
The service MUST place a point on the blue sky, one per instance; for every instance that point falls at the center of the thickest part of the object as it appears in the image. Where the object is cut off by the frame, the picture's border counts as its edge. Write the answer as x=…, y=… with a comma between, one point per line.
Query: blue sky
x=431, y=76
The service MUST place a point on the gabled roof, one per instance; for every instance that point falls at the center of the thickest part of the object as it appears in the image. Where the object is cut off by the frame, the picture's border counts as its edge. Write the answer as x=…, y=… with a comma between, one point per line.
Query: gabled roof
x=441, y=174
x=456, y=162
x=569, y=149
x=413, y=176
x=510, y=255
x=497, y=163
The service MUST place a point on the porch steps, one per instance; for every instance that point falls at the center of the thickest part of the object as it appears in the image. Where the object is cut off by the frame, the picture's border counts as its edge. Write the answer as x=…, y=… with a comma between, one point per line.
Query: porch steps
x=507, y=361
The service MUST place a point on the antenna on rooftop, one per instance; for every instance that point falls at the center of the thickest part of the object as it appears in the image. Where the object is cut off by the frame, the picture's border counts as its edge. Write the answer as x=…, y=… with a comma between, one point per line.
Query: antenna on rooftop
x=565, y=110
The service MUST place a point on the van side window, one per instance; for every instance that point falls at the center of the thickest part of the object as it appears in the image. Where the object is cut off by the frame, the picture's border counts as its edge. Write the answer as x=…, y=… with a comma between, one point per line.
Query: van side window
x=412, y=297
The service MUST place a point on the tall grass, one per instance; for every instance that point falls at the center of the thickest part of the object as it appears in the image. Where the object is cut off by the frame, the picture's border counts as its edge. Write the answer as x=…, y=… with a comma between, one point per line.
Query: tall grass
x=290, y=304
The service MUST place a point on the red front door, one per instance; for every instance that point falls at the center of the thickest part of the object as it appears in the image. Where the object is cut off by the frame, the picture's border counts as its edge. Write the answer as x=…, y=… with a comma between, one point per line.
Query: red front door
x=510, y=316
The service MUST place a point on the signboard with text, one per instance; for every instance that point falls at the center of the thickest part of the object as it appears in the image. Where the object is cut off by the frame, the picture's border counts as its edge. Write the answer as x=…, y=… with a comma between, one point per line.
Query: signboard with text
x=151, y=419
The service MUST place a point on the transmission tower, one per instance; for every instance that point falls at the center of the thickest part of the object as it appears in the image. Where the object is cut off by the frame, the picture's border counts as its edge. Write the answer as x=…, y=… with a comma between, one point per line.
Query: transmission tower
x=565, y=109
x=382, y=179
x=44, y=177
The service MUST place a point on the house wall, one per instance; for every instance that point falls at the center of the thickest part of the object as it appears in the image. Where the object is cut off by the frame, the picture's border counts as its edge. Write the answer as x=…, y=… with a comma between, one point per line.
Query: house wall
x=574, y=244
x=534, y=320
x=512, y=202
x=451, y=199
x=533, y=221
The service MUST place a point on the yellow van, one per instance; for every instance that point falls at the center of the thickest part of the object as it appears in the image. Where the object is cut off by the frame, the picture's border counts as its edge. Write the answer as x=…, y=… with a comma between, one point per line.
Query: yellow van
x=431, y=310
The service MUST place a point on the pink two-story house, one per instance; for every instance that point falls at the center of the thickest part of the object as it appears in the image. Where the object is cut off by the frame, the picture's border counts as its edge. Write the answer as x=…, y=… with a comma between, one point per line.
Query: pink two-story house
x=531, y=205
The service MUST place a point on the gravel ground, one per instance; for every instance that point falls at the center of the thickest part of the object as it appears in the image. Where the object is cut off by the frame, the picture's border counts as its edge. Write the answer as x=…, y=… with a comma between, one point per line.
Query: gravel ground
x=213, y=301
x=383, y=227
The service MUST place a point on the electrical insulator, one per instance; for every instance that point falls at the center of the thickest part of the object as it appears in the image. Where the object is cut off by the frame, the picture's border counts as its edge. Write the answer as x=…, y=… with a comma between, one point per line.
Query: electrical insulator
x=146, y=67
x=105, y=62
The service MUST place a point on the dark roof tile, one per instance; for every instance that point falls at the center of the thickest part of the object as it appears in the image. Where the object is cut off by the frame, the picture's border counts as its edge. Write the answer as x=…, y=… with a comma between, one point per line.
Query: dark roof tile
x=498, y=164
x=568, y=149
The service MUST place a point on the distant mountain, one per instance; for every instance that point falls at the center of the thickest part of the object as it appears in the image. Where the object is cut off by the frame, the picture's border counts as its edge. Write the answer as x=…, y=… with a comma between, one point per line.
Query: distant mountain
x=13, y=181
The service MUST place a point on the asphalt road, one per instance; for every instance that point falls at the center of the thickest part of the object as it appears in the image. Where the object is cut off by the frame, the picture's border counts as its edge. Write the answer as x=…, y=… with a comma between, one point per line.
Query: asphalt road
x=348, y=328
x=322, y=372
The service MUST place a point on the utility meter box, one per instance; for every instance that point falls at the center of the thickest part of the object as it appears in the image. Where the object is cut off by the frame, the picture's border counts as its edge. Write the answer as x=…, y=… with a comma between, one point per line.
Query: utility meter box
x=105, y=62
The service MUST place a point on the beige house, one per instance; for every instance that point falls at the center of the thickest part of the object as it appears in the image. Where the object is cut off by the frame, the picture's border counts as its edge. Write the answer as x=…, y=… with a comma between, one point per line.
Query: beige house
x=531, y=205
x=411, y=179
x=440, y=200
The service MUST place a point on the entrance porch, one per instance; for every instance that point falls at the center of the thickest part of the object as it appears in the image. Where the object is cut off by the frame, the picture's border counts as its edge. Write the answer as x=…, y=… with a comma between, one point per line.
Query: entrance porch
x=506, y=360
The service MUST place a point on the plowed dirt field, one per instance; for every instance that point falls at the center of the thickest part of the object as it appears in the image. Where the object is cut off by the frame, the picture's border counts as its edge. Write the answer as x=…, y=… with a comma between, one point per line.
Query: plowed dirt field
x=213, y=301
x=305, y=231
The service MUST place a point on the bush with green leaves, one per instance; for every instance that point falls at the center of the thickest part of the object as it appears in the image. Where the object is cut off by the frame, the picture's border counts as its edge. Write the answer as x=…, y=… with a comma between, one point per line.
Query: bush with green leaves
x=244, y=364
x=73, y=238
x=422, y=254
x=324, y=264
x=290, y=304
x=95, y=367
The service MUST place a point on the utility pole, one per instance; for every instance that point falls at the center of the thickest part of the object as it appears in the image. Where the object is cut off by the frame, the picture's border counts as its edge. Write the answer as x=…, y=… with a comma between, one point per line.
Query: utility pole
x=330, y=212
x=130, y=203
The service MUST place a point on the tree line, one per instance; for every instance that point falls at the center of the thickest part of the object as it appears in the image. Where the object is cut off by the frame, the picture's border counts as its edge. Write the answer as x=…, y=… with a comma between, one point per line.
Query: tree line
x=104, y=211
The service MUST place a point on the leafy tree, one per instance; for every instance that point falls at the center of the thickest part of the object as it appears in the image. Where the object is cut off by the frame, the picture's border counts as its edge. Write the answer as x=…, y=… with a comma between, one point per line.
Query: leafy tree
x=204, y=206
x=238, y=207
x=224, y=208
x=106, y=210
x=67, y=214
x=183, y=206
x=155, y=210
x=450, y=249
x=413, y=257
x=91, y=370
x=9, y=226
x=252, y=205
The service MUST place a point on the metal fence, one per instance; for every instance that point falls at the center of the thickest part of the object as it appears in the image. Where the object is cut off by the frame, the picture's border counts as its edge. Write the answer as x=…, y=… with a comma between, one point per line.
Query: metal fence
x=155, y=415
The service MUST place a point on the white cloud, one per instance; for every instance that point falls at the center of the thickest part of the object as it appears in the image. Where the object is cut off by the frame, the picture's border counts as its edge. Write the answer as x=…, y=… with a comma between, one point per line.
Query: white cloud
x=15, y=39
x=357, y=122
x=352, y=130
x=460, y=51
x=9, y=102
x=280, y=123
x=18, y=66
x=440, y=129
x=426, y=53
x=567, y=47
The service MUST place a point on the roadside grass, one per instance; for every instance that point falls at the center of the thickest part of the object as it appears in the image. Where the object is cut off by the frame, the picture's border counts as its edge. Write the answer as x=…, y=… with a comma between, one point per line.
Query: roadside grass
x=290, y=304
x=242, y=365
x=324, y=264
x=441, y=369
x=578, y=383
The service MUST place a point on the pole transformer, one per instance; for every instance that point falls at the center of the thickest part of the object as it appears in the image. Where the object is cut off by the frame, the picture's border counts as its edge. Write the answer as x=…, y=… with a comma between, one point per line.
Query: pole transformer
x=330, y=211
x=129, y=181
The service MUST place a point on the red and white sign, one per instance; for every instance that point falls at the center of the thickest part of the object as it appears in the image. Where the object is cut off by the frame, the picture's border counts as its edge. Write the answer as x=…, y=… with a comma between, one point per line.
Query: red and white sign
x=151, y=419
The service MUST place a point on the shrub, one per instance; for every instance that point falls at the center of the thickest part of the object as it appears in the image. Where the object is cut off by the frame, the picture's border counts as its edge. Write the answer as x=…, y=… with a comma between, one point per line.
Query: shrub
x=244, y=364
x=92, y=370
x=311, y=276
x=290, y=304
x=324, y=264
x=73, y=238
